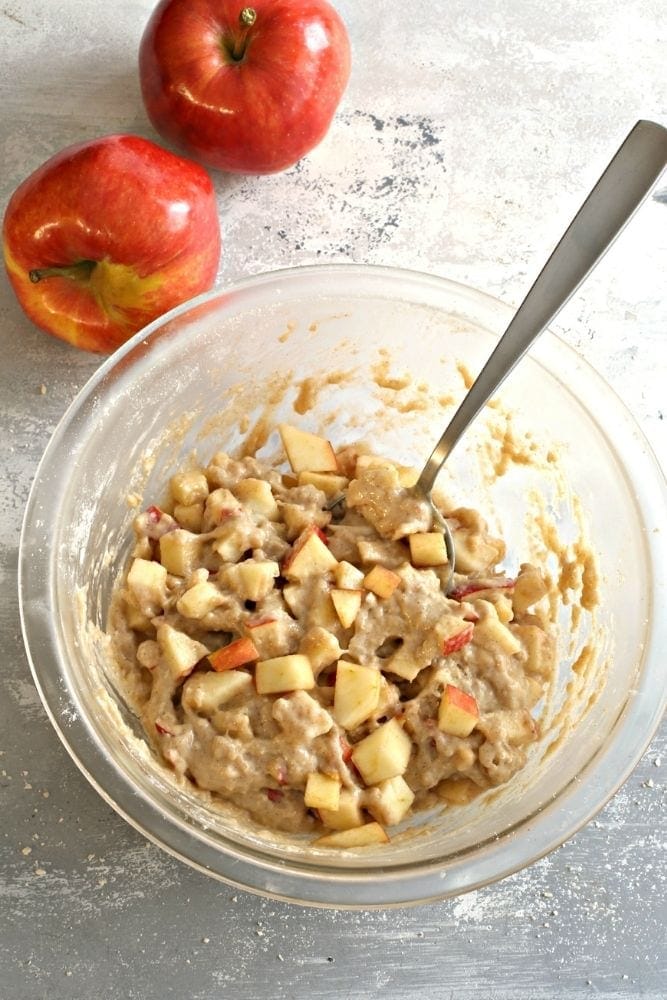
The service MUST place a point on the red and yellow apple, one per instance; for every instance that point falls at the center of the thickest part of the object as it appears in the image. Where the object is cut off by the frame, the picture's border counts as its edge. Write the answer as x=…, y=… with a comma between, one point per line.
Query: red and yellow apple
x=108, y=235
x=246, y=89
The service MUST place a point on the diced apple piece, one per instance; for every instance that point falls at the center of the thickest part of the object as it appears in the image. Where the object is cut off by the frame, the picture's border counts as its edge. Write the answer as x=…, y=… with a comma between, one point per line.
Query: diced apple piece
x=295, y=597
x=347, y=576
x=492, y=634
x=189, y=487
x=143, y=548
x=407, y=474
x=458, y=714
x=207, y=692
x=373, y=462
x=309, y=556
x=321, y=647
x=382, y=581
x=347, y=604
x=307, y=452
x=383, y=754
x=427, y=548
x=453, y=634
x=180, y=652
x=136, y=619
x=190, y=516
x=321, y=612
x=389, y=801
x=403, y=664
x=322, y=791
x=270, y=635
x=252, y=579
x=153, y=523
x=234, y=654
x=256, y=495
x=220, y=505
x=147, y=582
x=360, y=836
x=180, y=551
x=356, y=694
x=348, y=814
x=197, y=601
x=284, y=673
x=329, y=483
x=231, y=547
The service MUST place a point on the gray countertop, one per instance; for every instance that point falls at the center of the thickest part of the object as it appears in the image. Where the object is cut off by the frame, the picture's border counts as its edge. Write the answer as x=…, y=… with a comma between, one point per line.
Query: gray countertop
x=468, y=136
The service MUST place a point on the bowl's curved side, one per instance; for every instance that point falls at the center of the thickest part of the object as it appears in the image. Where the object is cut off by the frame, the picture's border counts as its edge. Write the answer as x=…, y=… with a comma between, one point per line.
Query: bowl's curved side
x=81, y=460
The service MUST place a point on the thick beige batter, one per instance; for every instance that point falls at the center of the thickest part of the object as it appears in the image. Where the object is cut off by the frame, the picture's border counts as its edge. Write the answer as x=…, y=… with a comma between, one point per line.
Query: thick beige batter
x=185, y=596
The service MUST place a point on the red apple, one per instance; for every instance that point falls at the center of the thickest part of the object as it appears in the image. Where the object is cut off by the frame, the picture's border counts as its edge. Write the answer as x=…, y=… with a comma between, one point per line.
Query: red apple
x=245, y=89
x=107, y=235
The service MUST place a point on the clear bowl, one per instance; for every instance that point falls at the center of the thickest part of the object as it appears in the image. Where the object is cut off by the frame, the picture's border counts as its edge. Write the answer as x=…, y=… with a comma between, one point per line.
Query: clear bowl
x=230, y=365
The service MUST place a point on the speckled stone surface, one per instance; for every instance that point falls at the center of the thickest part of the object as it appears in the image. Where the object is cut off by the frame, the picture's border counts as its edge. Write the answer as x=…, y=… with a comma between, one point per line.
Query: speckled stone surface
x=468, y=136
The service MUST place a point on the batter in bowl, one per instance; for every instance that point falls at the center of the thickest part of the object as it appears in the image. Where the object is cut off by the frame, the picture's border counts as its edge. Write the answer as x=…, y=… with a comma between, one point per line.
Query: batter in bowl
x=314, y=673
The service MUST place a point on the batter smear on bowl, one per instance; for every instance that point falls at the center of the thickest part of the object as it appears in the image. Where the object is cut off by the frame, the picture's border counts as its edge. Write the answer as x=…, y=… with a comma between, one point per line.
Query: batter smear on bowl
x=315, y=673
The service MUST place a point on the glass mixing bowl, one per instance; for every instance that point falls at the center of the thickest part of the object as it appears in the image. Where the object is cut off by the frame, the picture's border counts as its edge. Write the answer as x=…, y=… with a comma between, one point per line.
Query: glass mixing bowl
x=380, y=355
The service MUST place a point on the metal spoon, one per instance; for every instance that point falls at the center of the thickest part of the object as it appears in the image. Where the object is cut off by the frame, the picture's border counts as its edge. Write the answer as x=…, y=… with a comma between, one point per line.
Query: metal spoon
x=613, y=201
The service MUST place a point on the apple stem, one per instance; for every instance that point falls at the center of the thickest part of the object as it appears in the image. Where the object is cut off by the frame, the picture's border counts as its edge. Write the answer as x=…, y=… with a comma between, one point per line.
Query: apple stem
x=247, y=18
x=81, y=271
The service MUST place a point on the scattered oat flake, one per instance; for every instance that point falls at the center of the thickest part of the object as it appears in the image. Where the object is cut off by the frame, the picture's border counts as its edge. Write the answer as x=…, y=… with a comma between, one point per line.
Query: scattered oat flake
x=39, y=871
x=205, y=940
x=26, y=851
x=45, y=794
x=42, y=390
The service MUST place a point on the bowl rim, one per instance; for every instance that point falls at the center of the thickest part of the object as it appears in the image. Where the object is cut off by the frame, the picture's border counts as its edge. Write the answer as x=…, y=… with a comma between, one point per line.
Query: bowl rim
x=575, y=805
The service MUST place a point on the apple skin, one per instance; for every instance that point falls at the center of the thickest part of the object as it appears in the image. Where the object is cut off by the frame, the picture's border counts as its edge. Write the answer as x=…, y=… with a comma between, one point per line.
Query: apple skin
x=139, y=224
x=257, y=114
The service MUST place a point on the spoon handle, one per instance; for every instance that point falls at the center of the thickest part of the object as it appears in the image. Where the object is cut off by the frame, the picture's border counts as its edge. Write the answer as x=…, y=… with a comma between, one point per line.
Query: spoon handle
x=617, y=195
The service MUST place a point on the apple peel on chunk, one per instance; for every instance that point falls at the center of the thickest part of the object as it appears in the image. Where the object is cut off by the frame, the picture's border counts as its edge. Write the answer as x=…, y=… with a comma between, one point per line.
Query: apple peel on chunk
x=307, y=452
x=235, y=654
x=478, y=586
x=458, y=714
x=453, y=634
x=359, y=836
x=309, y=556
